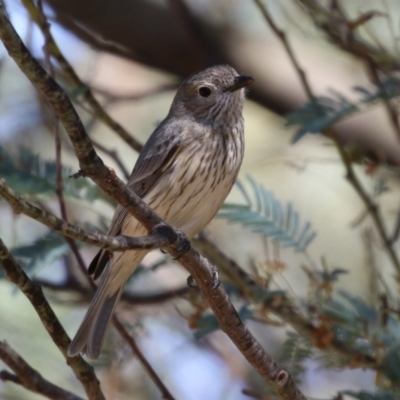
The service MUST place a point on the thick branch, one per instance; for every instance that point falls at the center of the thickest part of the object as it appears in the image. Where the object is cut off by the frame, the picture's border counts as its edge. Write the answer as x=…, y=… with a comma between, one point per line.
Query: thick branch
x=201, y=270
x=82, y=370
x=29, y=377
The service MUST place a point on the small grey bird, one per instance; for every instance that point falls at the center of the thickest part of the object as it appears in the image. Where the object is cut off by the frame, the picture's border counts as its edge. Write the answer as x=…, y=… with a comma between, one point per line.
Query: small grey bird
x=184, y=173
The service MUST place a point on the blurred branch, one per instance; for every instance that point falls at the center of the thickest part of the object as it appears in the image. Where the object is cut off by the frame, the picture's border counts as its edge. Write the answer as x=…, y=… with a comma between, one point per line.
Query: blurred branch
x=283, y=38
x=82, y=370
x=128, y=297
x=390, y=108
x=112, y=98
x=114, y=155
x=342, y=32
x=87, y=94
x=369, y=204
x=45, y=26
x=371, y=64
x=199, y=268
x=227, y=266
x=139, y=355
x=351, y=176
x=28, y=377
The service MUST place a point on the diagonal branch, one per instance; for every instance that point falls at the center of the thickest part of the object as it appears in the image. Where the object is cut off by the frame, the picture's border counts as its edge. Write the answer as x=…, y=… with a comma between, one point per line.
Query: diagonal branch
x=283, y=38
x=161, y=236
x=28, y=377
x=93, y=167
x=82, y=370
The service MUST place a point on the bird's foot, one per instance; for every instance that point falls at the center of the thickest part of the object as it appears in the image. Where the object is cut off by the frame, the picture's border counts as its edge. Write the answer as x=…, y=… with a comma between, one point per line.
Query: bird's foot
x=183, y=246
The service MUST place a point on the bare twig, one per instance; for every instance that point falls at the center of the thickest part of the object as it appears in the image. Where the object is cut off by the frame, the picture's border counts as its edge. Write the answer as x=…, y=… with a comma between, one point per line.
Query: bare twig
x=199, y=268
x=282, y=36
x=229, y=267
x=114, y=155
x=112, y=98
x=82, y=370
x=369, y=204
x=390, y=108
x=29, y=377
x=75, y=80
x=341, y=32
x=396, y=231
x=146, y=365
x=127, y=297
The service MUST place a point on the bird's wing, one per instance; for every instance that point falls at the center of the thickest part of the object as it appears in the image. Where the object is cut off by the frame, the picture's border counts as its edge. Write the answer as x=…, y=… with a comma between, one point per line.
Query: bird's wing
x=158, y=153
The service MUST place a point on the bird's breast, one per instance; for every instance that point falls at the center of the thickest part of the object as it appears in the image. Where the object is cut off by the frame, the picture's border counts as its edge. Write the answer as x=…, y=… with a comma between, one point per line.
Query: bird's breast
x=193, y=188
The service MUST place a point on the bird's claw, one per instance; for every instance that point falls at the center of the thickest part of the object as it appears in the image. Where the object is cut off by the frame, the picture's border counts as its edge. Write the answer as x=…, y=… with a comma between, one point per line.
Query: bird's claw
x=183, y=244
x=191, y=282
x=215, y=279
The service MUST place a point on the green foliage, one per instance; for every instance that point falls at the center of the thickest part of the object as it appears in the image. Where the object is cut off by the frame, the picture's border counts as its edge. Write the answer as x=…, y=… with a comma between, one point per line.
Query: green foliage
x=269, y=217
x=28, y=173
x=367, y=331
x=322, y=112
x=295, y=350
x=41, y=252
x=319, y=114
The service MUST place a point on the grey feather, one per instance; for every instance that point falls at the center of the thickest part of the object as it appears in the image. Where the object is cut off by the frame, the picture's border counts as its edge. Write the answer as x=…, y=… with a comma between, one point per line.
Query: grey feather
x=159, y=151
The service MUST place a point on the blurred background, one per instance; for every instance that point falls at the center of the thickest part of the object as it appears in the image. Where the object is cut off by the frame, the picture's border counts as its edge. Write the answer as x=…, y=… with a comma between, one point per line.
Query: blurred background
x=132, y=55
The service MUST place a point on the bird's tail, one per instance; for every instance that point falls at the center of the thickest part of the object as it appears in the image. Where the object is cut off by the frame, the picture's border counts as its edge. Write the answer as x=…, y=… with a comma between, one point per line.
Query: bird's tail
x=90, y=335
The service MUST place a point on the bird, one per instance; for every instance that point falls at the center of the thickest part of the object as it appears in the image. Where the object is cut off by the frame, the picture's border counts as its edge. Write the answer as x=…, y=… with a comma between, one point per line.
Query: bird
x=184, y=172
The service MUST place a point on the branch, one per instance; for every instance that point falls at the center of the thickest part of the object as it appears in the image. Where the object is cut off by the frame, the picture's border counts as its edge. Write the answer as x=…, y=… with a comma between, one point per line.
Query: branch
x=161, y=236
x=139, y=355
x=92, y=166
x=281, y=306
x=28, y=377
x=341, y=33
x=76, y=81
x=114, y=155
x=82, y=370
x=282, y=36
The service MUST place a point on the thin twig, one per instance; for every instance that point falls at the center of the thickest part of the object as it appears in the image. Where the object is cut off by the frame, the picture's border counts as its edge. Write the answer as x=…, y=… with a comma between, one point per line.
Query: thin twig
x=282, y=36
x=369, y=204
x=389, y=107
x=93, y=167
x=82, y=370
x=29, y=377
x=77, y=82
x=114, y=155
x=396, y=231
x=112, y=98
x=142, y=359
x=127, y=297
x=351, y=176
x=45, y=27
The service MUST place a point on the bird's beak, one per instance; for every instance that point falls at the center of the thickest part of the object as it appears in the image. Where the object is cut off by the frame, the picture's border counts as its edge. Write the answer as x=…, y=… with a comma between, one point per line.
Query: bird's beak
x=240, y=82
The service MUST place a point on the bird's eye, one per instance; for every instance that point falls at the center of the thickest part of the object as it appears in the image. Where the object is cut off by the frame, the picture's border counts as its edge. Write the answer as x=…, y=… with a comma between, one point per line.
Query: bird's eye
x=204, y=91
